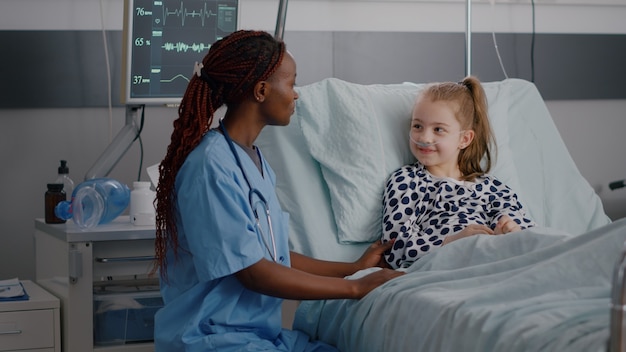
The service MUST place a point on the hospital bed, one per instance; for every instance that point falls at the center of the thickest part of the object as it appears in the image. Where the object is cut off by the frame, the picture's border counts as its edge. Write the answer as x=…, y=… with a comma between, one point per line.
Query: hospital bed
x=543, y=289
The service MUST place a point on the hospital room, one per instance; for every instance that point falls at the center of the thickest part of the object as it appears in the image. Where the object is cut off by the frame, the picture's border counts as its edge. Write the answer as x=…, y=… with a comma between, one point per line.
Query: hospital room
x=74, y=99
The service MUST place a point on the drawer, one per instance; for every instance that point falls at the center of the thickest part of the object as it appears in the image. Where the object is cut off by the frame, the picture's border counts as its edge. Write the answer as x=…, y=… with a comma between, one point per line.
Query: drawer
x=27, y=329
x=122, y=258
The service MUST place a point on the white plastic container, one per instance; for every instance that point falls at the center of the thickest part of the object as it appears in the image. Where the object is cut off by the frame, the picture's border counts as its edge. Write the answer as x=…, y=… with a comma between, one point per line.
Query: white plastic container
x=142, y=212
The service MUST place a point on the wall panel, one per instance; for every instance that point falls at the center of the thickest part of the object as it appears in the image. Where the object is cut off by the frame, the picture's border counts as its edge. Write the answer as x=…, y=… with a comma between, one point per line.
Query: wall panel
x=68, y=68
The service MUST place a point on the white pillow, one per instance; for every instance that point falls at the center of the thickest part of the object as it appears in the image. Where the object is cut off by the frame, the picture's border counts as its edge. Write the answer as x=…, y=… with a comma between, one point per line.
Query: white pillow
x=359, y=135
x=503, y=165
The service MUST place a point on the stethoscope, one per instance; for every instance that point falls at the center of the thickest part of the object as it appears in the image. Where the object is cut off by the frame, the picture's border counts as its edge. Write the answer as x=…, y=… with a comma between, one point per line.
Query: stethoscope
x=253, y=191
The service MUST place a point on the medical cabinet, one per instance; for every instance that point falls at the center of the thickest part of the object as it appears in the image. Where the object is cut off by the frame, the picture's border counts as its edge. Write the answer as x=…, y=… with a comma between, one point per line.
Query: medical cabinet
x=82, y=266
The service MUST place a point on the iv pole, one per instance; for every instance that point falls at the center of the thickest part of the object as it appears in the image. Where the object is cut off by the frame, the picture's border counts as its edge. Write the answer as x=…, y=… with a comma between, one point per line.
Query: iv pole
x=468, y=38
x=280, y=19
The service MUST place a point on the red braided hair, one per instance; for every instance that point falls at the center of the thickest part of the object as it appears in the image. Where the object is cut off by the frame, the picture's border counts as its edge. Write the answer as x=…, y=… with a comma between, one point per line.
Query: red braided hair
x=231, y=69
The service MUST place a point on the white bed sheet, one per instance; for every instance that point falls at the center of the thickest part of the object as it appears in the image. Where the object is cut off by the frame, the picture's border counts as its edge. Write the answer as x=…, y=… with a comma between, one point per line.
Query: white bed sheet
x=534, y=290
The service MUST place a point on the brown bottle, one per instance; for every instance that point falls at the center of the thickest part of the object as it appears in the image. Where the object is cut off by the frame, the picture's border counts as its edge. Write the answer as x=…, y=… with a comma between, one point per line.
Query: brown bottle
x=54, y=195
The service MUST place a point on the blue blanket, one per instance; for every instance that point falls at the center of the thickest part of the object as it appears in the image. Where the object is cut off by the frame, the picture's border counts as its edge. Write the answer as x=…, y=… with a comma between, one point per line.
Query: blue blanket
x=535, y=290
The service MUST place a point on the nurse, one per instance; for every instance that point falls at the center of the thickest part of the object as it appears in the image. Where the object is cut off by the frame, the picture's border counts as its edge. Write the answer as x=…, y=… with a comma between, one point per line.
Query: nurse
x=221, y=238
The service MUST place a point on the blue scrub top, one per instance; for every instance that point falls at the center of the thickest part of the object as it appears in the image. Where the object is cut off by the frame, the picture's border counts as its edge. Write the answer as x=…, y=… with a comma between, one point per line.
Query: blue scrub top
x=206, y=307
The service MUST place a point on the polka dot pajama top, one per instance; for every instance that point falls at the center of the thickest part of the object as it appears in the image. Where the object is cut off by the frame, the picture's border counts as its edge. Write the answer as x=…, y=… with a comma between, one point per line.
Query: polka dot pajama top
x=419, y=210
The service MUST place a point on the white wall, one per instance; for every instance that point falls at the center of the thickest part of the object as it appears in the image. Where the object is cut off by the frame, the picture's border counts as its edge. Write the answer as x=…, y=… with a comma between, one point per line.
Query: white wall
x=553, y=16
x=593, y=131
x=33, y=140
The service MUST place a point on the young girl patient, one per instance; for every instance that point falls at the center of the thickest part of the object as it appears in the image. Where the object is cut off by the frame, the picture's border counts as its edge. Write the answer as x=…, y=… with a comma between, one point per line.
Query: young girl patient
x=447, y=194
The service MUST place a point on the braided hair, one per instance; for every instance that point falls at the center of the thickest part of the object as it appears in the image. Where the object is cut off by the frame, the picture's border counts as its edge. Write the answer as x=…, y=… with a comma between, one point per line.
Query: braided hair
x=229, y=72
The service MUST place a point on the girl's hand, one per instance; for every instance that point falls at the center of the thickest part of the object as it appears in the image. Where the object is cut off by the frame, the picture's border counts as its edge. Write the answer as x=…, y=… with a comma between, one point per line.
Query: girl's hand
x=469, y=230
x=505, y=225
x=373, y=255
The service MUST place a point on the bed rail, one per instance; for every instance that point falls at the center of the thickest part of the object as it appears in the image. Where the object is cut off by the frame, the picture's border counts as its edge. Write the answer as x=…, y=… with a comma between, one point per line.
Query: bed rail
x=617, y=341
x=617, y=184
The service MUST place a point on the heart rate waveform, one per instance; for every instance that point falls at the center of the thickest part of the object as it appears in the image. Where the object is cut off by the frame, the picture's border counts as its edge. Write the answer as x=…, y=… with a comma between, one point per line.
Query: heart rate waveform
x=164, y=38
x=180, y=46
x=162, y=81
x=178, y=76
x=182, y=12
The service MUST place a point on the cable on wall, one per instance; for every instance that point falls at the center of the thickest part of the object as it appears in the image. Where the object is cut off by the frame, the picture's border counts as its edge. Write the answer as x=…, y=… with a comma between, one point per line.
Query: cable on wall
x=138, y=137
x=108, y=67
x=493, y=36
x=130, y=115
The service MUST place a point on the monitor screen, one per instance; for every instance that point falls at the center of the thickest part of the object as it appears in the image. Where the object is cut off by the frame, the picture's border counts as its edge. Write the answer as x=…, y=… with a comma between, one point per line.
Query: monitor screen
x=163, y=39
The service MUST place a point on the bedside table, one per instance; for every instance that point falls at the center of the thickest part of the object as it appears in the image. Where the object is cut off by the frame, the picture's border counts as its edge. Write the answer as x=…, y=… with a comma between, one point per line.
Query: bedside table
x=72, y=263
x=31, y=325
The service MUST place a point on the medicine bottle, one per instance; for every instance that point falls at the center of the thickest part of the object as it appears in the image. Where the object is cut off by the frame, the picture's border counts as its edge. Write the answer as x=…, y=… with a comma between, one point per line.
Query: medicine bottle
x=54, y=195
x=64, y=178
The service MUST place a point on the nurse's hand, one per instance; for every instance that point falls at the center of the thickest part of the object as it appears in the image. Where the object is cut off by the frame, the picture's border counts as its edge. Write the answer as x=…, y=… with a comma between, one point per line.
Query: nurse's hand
x=373, y=256
x=369, y=282
x=273, y=279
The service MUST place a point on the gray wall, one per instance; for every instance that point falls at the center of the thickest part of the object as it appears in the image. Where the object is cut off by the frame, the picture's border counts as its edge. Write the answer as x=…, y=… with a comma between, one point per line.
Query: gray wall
x=48, y=69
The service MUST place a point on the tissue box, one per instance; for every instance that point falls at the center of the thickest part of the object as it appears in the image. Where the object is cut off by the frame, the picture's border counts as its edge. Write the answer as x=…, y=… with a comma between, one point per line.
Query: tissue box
x=122, y=318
